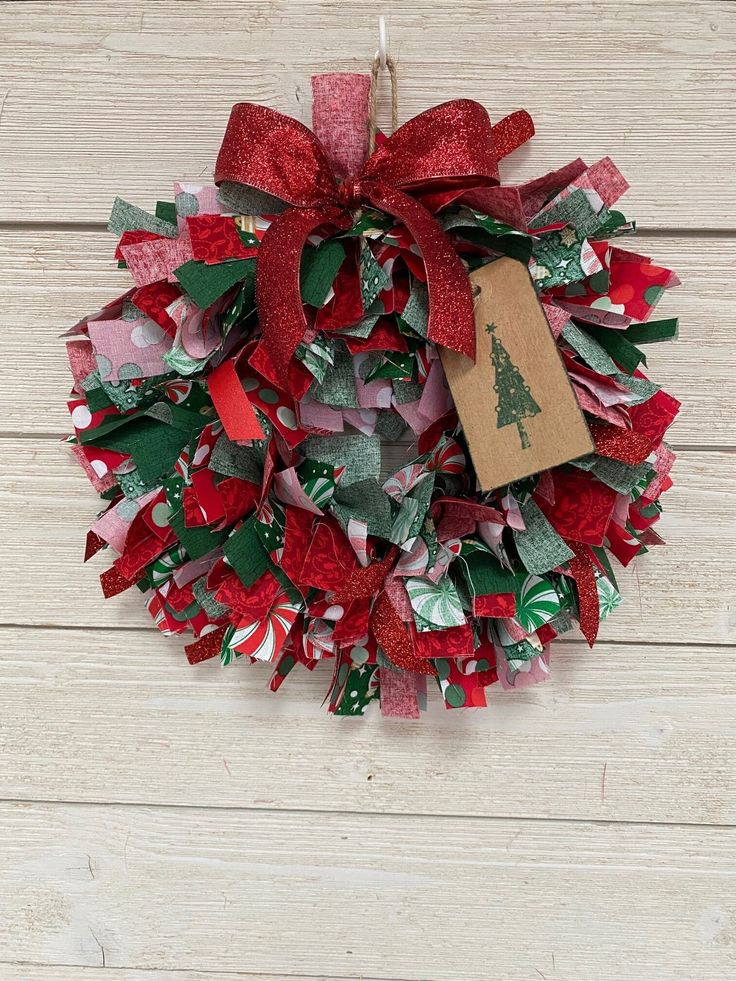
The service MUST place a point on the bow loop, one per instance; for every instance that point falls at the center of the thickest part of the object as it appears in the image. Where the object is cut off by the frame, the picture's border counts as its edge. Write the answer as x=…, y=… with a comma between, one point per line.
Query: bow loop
x=450, y=142
x=274, y=153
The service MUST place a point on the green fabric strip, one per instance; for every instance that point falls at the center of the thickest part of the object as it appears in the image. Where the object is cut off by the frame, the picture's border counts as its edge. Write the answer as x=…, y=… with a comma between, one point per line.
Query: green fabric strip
x=338, y=387
x=245, y=553
x=126, y=217
x=360, y=455
x=366, y=501
x=620, y=476
x=166, y=211
x=592, y=353
x=318, y=270
x=197, y=541
x=206, y=283
x=540, y=548
x=653, y=331
x=621, y=350
x=485, y=574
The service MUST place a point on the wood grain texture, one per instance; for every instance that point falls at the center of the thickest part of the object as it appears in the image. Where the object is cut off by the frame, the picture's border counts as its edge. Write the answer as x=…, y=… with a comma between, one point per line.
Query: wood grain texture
x=183, y=824
x=445, y=898
x=627, y=733
x=101, y=99
x=51, y=972
x=669, y=596
x=49, y=279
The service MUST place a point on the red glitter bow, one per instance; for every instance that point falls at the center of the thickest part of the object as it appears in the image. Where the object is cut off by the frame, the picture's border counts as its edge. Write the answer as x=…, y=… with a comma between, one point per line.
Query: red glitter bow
x=429, y=161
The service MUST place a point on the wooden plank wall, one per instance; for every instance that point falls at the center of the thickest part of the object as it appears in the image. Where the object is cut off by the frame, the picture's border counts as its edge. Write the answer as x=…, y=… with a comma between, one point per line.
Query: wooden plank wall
x=176, y=824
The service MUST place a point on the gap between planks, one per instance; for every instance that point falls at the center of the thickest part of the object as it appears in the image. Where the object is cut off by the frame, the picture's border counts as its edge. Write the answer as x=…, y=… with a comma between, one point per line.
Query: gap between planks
x=577, y=641
x=64, y=275
x=58, y=437
x=697, y=516
x=19, y=225
x=366, y=812
x=630, y=736
x=164, y=890
x=68, y=972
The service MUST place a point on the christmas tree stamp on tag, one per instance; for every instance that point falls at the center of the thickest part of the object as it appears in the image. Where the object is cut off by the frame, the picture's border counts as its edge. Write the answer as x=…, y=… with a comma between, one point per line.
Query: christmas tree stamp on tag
x=516, y=405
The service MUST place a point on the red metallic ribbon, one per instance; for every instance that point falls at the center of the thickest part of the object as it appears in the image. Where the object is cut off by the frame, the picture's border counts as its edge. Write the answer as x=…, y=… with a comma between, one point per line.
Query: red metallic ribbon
x=429, y=161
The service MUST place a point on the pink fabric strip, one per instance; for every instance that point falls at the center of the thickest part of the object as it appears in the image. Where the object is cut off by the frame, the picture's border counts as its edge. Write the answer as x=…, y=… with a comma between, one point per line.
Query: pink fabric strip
x=340, y=118
x=399, y=694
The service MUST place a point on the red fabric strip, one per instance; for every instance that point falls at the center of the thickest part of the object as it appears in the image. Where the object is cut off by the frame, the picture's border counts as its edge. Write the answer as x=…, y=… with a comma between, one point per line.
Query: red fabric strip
x=233, y=406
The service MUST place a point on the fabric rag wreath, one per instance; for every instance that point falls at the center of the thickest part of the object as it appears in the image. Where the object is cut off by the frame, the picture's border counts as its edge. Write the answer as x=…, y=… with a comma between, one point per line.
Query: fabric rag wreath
x=237, y=407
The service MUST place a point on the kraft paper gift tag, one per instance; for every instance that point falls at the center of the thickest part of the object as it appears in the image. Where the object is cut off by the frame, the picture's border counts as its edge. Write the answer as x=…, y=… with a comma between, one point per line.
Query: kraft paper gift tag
x=516, y=405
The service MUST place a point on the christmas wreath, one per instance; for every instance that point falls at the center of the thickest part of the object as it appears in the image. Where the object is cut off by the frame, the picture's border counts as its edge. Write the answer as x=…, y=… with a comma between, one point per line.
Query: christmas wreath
x=289, y=325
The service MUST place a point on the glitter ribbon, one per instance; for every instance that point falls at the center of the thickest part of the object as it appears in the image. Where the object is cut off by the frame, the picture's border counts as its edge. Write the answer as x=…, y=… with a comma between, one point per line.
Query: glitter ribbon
x=434, y=158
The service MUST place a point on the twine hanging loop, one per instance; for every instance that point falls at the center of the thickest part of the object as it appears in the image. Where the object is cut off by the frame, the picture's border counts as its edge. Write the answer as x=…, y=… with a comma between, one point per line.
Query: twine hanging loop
x=373, y=98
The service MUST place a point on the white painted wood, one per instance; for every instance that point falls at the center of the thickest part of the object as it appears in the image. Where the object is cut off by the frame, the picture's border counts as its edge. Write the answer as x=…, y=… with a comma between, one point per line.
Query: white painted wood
x=384, y=897
x=680, y=593
x=124, y=98
x=456, y=847
x=50, y=279
x=628, y=732
x=48, y=972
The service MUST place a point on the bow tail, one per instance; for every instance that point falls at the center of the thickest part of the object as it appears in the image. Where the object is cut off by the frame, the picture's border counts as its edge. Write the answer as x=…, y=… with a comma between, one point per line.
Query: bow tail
x=451, y=321
x=511, y=132
x=278, y=293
